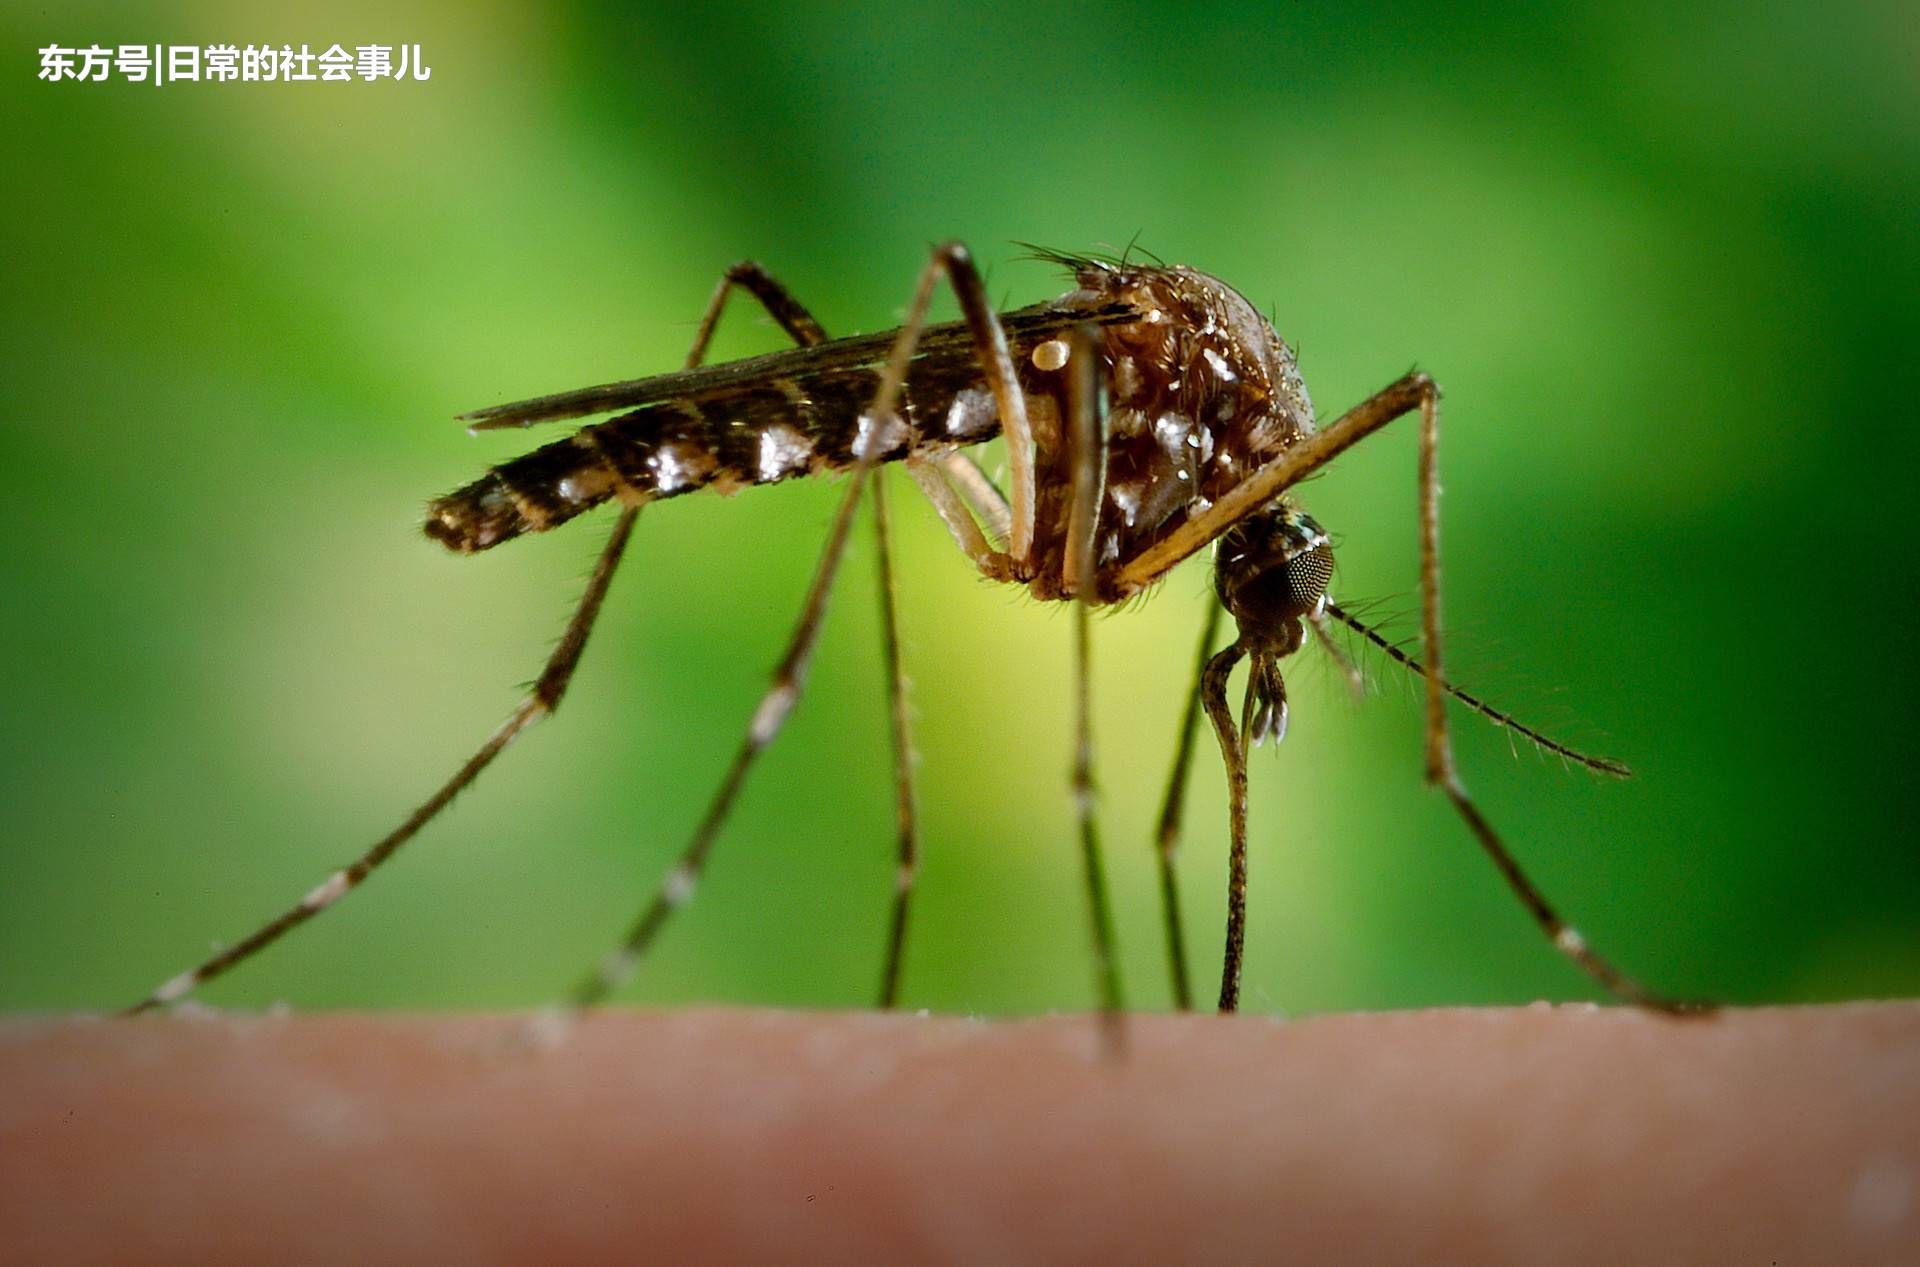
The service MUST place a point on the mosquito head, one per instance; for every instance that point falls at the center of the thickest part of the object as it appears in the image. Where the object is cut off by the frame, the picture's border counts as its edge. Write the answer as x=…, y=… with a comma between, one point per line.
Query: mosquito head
x=1271, y=572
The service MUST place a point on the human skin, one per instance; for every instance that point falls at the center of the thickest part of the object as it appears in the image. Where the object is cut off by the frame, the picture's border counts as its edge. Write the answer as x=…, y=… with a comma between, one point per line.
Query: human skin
x=1562, y=1135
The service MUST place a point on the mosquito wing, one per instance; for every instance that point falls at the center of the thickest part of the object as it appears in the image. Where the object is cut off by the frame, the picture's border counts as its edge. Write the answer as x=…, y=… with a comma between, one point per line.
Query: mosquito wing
x=945, y=342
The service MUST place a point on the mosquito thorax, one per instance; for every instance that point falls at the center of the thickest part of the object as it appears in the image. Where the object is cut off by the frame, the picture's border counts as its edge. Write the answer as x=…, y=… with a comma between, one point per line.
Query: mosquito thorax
x=1271, y=572
x=1200, y=349
x=1201, y=393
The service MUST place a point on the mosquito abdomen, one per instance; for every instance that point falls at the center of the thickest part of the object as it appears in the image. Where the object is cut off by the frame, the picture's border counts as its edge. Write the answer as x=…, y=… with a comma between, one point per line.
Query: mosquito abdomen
x=533, y=493
x=755, y=434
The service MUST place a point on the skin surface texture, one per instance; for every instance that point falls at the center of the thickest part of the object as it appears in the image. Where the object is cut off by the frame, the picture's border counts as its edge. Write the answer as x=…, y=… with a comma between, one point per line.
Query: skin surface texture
x=1568, y=1135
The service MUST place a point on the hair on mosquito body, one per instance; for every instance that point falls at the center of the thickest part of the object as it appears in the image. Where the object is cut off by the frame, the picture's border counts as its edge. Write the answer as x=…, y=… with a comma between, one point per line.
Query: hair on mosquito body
x=1147, y=415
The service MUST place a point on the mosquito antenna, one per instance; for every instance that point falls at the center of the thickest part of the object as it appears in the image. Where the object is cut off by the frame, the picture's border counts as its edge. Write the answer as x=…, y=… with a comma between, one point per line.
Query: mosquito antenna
x=1602, y=765
x=1341, y=660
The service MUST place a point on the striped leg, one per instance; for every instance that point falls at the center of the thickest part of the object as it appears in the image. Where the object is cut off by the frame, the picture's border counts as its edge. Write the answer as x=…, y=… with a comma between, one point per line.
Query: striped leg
x=981, y=494
x=804, y=330
x=1414, y=392
x=952, y=262
x=774, y=297
x=1087, y=447
x=543, y=699
x=1440, y=764
x=902, y=733
x=1167, y=839
x=1233, y=751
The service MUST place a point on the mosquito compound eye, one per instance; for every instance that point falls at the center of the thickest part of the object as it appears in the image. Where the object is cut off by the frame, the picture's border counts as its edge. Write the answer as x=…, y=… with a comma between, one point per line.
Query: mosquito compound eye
x=1308, y=574
x=1272, y=572
x=1289, y=587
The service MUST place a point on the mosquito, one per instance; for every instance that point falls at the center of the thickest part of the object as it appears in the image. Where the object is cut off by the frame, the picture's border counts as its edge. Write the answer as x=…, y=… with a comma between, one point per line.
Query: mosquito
x=1147, y=414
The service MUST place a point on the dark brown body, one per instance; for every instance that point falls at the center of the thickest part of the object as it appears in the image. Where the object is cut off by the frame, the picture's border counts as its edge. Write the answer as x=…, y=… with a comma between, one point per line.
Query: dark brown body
x=1200, y=393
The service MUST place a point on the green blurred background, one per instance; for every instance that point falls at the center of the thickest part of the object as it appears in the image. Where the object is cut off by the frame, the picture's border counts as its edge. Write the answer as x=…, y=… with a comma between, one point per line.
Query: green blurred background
x=1664, y=263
